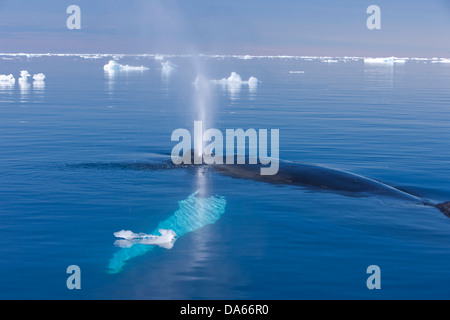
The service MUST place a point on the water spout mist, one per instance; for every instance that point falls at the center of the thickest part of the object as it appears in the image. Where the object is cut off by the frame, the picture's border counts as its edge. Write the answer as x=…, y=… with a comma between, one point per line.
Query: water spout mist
x=202, y=109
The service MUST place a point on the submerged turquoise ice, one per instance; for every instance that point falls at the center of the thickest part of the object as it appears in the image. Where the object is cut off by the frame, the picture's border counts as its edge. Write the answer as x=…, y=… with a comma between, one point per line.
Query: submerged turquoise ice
x=194, y=213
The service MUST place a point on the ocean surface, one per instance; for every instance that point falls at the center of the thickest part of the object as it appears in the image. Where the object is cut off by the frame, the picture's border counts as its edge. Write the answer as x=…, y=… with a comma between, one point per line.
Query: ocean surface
x=68, y=183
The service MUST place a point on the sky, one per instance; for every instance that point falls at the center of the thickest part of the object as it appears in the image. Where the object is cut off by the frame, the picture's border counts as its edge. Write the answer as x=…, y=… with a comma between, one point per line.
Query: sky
x=409, y=28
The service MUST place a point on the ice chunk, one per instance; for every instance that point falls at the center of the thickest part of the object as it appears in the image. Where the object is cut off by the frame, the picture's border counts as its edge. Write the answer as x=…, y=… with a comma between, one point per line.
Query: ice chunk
x=235, y=79
x=23, y=81
x=389, y=60
x=7, y=79
x=167, y=68
x=113, y=67
x=400, y=60
x=442, y=60
x=379, y=60
x=24, y=75
x=234, y=83
x=39, y=77
x=165, y=240
x=330, y=60
x=128, y=235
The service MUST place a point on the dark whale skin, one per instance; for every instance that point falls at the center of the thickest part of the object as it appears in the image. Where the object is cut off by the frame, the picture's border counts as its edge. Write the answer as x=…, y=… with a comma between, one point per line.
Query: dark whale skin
x=315, y=176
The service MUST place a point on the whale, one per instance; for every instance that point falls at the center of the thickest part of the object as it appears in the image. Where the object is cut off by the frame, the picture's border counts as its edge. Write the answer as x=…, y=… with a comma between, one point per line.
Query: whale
x=309, y=176
x=323, y=179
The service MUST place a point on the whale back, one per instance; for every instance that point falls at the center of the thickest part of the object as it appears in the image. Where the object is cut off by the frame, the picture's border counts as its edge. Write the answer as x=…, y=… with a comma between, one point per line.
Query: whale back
x=314, y=176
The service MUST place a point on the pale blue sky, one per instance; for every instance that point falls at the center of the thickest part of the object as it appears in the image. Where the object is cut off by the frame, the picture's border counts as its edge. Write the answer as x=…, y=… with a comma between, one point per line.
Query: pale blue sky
x=295, y=27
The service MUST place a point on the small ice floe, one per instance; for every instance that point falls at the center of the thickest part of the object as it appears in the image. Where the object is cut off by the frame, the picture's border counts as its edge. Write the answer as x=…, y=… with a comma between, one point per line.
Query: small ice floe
x=234, y=83
x=296, y=72
x=441, y=60
x=113, y=67
x=246, y=57
x=235, y=79
x=39, y=83
x=24, y=75
x=7, y=79
x=39, y=77
x=389, y=60
x=91, y=56
x=165, y=240
x=329, y=61
x=23, y=81
x=400, y=60
x=167, y=68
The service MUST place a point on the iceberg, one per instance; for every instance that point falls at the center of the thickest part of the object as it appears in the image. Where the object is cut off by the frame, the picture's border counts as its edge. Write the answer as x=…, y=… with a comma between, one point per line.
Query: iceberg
x=167, y=68
x=235, y=80
x=246, y=57
x=329, y=60
x=24, y=76
x=7, y=79
x=39, y=83
x=39, y=77
x=379, y=60
x=234, y=83
x=113, y=67
x=165, y=240
x=389, y=60
x=23, y=81
x=442, y=60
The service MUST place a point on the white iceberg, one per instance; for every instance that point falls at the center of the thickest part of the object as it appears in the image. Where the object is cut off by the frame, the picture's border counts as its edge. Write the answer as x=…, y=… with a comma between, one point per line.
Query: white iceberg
x=167, y=68
x=39, y=77
x=113, y=67
x=234, y=83
x=253, y=81
x=379, y=60
x=329, y=60
x=128, y=235
x=7, y=79
x=39, y=83
x=165, y=240
x=235, y=79
x=23, y=81
x=246, y=57
x=24, y=76
x=389, y=60
x=400, y=60
x=442, y=60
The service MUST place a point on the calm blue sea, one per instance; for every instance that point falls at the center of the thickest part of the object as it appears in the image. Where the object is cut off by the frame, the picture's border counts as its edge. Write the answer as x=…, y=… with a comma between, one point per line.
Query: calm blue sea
x=389, y=122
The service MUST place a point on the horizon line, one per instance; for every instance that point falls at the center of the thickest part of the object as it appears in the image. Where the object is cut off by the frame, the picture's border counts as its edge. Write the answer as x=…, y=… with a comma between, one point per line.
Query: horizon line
x=243, y=56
